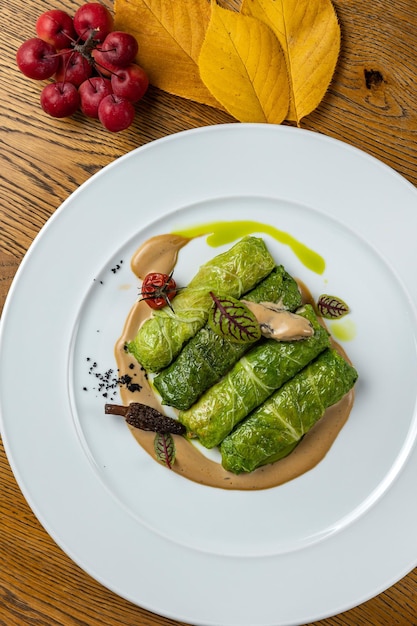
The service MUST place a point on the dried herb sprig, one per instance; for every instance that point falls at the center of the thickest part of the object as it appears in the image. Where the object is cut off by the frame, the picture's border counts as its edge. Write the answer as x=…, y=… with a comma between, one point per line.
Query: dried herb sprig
x=146, y=418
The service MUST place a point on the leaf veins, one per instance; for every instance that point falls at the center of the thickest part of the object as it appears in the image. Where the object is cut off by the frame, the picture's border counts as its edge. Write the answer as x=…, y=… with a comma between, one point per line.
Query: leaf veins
x=232, y=320
x=331, y=307
x=164, y=447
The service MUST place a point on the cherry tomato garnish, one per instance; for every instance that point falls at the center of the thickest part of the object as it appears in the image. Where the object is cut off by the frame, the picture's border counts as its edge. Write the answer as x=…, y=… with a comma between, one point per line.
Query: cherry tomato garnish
x=158, y=289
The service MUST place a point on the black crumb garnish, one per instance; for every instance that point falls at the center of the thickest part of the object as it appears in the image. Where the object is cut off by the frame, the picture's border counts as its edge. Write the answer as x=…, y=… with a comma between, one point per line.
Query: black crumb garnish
x=109, y=382
x=146, y=418
x=125, y=379
x=117, y=267
x=134, y=387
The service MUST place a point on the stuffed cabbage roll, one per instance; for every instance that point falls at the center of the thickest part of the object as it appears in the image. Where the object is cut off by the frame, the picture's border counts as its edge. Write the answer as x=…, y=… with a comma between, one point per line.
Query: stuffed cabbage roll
x=208, y=356
x=248, y=384
x=160, y=339
x=274, y=429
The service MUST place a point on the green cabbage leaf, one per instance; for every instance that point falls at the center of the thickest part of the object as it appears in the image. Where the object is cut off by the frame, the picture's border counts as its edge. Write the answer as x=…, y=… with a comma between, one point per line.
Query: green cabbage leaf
x=261, y=371
x=234, y=272
x=207, y=356
x=275, y=428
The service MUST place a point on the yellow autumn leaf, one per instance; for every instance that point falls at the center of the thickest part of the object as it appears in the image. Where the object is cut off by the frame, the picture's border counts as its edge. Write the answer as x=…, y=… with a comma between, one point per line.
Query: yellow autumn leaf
x=309, y=33
x=170, y=34
x=243, y=65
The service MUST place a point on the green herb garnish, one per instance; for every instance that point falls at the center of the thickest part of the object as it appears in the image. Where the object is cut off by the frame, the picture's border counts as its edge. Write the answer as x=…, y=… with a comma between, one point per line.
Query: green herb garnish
x=165, y=451
x=231, y=319
x=331, y=307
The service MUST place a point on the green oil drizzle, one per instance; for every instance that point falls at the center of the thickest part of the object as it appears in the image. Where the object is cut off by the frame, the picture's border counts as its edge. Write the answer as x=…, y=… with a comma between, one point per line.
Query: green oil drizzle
x=221, y=233
x=343, y=330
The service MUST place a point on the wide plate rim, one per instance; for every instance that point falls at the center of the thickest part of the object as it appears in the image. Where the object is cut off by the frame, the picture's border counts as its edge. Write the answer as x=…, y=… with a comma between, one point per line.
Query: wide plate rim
x=8, y=311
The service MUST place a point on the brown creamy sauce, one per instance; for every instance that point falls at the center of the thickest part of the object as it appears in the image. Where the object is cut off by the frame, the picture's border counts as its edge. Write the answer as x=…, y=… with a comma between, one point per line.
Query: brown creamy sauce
x=278, y=324
x=160, y=254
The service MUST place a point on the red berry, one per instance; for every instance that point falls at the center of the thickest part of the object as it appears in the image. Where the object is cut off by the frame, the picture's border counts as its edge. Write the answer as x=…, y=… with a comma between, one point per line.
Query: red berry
x=73, y=67
x=102, y=65
x=82, y=53
x=130, y=82
x=158, y=289
x=92, y=91
x=119, y=48
x=91, y=19
x=56, y=27
x=37, y=59
x=115, y=113
x=60, y=99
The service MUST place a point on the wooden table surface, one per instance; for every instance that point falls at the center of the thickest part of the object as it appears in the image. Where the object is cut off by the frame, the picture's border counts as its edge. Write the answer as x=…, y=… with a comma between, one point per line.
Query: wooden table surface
x=372, y=104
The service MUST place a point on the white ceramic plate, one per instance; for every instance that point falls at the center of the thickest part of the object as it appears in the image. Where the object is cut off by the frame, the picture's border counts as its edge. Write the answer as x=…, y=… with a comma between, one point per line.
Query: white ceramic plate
x=311, y=548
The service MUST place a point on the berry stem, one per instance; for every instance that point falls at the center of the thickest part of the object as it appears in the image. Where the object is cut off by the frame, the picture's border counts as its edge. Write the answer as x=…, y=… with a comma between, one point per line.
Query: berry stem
x=86, y=48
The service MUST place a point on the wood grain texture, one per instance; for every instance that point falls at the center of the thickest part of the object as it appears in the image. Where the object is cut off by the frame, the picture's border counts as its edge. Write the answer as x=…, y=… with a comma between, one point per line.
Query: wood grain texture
x=371, y=104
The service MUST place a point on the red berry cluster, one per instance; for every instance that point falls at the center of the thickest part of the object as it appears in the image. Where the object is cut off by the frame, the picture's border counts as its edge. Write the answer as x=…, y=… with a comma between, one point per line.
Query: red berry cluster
x=92, y=64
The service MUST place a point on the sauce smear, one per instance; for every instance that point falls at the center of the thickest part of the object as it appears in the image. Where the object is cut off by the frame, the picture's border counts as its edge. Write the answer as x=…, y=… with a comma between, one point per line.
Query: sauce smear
x=220, y=233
